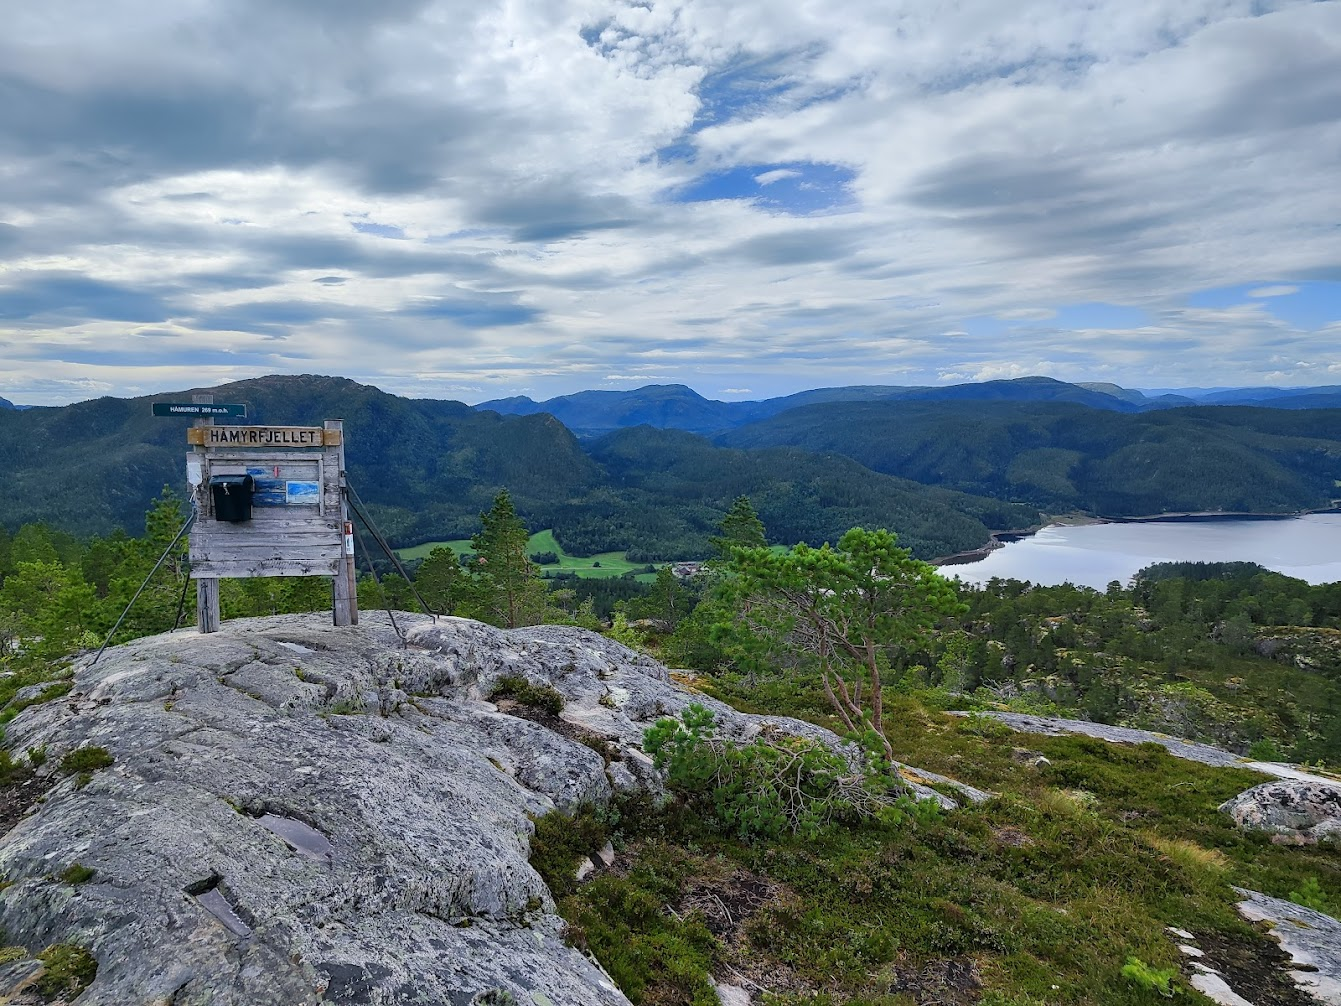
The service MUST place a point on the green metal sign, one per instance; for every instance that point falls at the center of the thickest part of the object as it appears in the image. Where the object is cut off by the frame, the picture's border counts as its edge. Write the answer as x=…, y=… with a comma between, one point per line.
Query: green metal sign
x=192, y=409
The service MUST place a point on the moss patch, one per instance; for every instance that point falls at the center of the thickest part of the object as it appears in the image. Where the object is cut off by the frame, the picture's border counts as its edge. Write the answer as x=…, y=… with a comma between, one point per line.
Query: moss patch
x=76, y=874
x=70, y=969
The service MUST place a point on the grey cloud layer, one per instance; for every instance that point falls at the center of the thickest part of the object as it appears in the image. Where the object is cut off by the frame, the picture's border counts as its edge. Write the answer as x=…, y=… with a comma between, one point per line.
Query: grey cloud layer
x=443, y=195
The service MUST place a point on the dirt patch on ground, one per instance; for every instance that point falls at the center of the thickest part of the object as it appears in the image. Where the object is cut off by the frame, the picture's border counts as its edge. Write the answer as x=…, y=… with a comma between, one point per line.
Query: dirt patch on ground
x=17, y=797
x=1254, y=967
x=1011, y=836
x=728, y=904
x=952, y=982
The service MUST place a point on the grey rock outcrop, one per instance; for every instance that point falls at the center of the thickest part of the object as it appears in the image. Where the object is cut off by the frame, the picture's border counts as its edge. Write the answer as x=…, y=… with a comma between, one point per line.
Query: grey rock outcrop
x=1302, y=810
x=300, y=814
x=1312, y=939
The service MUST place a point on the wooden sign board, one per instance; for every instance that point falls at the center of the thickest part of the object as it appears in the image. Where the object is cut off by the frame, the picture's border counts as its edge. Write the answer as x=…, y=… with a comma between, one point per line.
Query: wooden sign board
x=262, y=436
x=238, y=411
x=295, y=510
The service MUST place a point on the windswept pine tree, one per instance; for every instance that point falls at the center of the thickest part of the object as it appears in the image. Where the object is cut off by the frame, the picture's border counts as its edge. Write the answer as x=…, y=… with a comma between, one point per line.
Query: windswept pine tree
x=511, y=591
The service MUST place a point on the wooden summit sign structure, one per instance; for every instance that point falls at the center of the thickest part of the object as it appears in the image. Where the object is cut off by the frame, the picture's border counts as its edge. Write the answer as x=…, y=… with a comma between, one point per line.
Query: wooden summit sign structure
x=270, y=501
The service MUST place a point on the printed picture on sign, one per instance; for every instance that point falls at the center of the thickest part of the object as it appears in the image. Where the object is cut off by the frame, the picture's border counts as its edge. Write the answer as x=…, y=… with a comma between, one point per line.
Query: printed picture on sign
x=302, y=493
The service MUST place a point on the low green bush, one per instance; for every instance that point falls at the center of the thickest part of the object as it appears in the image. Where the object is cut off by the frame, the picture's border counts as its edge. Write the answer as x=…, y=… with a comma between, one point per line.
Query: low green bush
x=654, y=955
x=11, y=770
x=517, y=688
x=1265, y=750
x=1311, y=895
x=52, y=691
x=561, y=841
x=775, y=784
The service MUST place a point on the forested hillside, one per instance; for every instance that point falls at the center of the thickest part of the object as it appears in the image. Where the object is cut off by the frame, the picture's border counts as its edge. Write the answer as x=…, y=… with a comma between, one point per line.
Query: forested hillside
x=681, y=483
x=1228, y=653
x=943, y=473
x=93, y=466
x=1062, y=456
x=429, y=468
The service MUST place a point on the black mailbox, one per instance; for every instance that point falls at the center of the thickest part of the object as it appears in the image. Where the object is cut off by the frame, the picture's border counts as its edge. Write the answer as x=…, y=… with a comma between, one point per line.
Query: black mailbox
x=232, y=497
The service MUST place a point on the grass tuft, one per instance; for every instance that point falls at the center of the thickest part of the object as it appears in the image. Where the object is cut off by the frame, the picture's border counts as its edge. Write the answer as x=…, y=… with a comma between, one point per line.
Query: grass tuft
x=86, y=759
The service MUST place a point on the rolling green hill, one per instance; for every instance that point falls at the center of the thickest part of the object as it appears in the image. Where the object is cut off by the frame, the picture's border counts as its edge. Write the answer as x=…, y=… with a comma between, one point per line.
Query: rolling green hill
x=428, y=468
x=1062, y=456
x=682, y=483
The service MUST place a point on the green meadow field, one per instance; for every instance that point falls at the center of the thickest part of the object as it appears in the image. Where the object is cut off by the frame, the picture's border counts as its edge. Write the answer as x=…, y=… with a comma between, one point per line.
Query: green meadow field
x=605, y=564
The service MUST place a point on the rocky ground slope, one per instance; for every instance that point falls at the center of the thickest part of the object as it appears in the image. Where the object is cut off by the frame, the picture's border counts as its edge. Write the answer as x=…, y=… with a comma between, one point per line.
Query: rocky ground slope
x=296, y=813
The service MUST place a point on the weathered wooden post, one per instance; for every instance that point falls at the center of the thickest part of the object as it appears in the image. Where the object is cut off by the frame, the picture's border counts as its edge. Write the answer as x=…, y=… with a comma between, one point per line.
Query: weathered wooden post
x=207, y=588
x=344, y=588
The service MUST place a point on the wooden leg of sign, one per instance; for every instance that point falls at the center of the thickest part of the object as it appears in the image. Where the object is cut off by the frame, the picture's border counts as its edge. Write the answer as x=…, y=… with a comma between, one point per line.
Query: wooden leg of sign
x=207, y=605
x=344, y=614
x=352, y=576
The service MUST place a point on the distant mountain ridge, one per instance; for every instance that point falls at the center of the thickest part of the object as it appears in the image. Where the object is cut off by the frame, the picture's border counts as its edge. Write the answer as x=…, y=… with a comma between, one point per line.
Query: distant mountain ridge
x=5, y=403
x=428, y=468
x=676, y=406
x=940, y=466
x=665, y=406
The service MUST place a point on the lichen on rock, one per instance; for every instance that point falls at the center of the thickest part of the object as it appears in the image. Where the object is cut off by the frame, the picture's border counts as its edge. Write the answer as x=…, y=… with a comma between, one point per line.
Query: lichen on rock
x=1301, y=810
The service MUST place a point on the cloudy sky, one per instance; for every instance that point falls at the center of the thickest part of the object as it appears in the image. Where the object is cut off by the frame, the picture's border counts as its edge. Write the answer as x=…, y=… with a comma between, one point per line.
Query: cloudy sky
x=475, y=199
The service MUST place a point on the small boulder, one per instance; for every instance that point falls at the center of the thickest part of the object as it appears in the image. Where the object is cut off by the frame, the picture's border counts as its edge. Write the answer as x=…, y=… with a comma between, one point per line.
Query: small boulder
x=732, y=995
x=1303, y=810
x=1034, y=759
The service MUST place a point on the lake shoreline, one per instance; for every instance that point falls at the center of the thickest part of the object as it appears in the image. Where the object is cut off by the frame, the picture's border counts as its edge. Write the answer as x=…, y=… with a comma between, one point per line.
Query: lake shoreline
x=999, y=539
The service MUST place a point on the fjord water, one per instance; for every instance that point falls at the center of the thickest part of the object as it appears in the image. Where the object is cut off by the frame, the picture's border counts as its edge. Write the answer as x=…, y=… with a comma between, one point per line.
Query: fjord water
x=1093, y=555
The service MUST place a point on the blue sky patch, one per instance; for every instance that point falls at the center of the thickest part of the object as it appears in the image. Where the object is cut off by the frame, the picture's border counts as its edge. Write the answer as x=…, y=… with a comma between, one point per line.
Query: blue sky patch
x=750, y=87
x=378, y=230
x=799, y=187
x=982, y=326
x=742, y=88
x=1307, y=305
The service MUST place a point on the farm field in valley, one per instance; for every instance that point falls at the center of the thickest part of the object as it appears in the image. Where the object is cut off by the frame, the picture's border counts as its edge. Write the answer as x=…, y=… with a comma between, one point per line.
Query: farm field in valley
x=604, y=564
